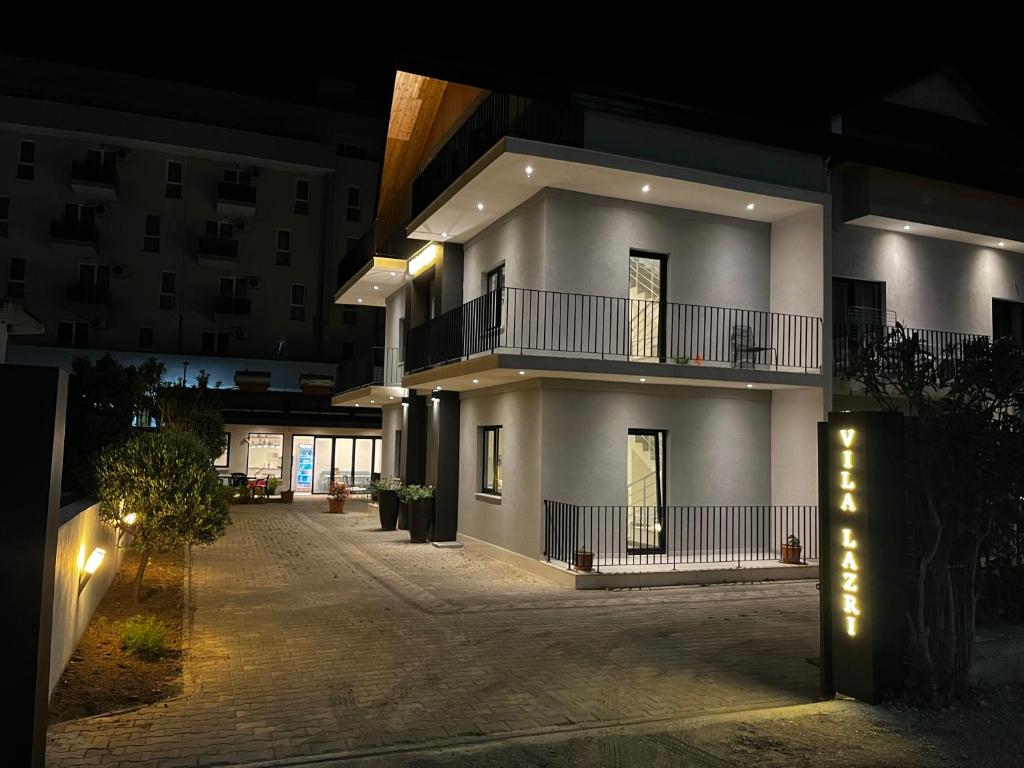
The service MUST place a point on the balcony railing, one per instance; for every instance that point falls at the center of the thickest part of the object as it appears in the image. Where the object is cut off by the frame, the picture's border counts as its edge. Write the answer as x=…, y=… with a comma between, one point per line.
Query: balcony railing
x=218, y=247
x=605, y=327
x=84, y=233
x=94, y=173
x=380, y=366
x=499, y=115
x=233, y=305
x=852, y=340
x=89, y=293
x=236, y=193
x=624, y=536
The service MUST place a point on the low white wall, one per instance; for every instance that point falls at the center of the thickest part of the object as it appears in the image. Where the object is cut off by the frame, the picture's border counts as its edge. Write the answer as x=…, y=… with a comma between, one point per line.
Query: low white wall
x=81, y=532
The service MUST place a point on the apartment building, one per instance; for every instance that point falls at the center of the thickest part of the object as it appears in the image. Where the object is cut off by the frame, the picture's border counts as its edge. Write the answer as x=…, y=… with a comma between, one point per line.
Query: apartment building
x=588, y=346
x=147, y=219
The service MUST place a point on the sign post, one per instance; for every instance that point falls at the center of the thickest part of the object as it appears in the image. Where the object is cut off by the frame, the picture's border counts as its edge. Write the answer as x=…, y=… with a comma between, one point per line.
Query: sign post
x=863, y=596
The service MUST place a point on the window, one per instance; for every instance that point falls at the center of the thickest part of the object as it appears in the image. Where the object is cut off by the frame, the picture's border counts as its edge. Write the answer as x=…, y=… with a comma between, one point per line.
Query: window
x=234, y=287
x=235, y=176
x=348, y=350
x=284, y=247
x=224, y=230
x=151, y=239
x=16, y=278
x=266, y=455
x=352, y=210
x=225, y=457
x=94, y=281
x=1008, y=320
x=79, y=217
x=145, y=339
x=490, y=455
x=302, y=197
x=168, y=290
x=101, y=157
x=349, y=316
x=298, y=306
x=5, y=215
x=174, y=179
x=495, y=283
x=72, y=333
x=26, y=161
x=215, y=342
x=645, y=491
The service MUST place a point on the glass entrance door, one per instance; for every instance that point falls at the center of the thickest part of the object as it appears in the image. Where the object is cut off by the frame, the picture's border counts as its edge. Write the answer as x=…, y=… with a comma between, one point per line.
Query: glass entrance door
x=320, y=461
x=646, y=299
x=645, y=491
x=302, y=464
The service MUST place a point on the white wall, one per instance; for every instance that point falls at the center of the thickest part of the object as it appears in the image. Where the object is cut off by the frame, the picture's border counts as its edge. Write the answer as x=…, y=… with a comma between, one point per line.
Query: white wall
x=76, y=539
x=932, y=284
x=794, y=448
x=391, y=421
x=517, y=240
x=797, y=268
x=514, y=522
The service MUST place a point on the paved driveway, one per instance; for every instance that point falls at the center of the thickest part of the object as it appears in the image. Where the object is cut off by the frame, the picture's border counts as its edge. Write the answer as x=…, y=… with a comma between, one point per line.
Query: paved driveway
x=318, y=633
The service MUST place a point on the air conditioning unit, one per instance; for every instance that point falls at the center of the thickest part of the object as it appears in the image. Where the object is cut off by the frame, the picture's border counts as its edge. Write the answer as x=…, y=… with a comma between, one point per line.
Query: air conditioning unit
x=102, y=210
x=254, y=283
x=119, y=270
x=255, y=172
x=98, y=322
x=240, y=226
x=239, y=332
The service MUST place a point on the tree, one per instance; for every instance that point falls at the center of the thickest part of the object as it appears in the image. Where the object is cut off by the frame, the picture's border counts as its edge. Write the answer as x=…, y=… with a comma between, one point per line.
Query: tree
x=162, y=489
x=195, y=410
x=965, y=483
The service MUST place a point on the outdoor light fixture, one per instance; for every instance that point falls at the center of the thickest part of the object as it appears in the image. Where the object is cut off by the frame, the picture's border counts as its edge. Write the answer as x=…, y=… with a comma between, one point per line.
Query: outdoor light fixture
x=750, y=386
x=391, y=397
x=642, y=379
x=422, y=259
x=750, y=206
x=479, y=206
x=376, y=287
x=476, y=381
x=437, y=389
x=522, y=373
x=90, y=567
x=529, y=170
x=444, y=234
x=359, y=300
x=1002, y=244
x=130, y=519
x=906, y=227
x=372, y=402
x=435, y=399
x=645, y=188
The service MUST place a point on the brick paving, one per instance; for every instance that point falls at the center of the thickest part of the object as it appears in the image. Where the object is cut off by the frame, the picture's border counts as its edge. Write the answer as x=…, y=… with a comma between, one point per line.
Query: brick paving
x=316, y=633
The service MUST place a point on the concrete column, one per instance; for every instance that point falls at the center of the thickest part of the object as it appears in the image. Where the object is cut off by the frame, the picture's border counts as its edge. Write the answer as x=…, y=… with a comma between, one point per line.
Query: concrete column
x=415, y=458
x=446, y=495
x=32, y=406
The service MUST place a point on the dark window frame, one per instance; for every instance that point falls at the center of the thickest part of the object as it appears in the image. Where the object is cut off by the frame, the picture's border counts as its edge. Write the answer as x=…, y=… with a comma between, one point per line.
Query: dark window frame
x=491, y=452
x=174, y=188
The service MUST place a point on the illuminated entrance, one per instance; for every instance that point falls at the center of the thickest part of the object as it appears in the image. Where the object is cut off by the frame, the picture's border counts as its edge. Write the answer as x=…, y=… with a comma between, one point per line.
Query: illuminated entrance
x=317, y=462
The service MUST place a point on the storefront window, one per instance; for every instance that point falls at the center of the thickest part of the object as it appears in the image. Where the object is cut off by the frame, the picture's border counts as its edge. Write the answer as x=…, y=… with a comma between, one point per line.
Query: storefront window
x=266, y=455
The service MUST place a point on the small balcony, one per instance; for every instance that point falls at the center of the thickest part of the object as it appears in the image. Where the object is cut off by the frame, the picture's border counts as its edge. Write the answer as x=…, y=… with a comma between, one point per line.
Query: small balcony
x=613, y=335
x=232, y=306
x=89, y=293
x=853, y=339
x=81, y=238
x=376, y=376
x=235, y=199
x=215, y=251
x=94, y=180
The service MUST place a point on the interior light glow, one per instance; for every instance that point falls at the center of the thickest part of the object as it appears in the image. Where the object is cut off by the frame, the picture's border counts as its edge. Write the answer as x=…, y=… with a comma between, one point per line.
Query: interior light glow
x=94, y=561
x=422, y=259
x=645, y=188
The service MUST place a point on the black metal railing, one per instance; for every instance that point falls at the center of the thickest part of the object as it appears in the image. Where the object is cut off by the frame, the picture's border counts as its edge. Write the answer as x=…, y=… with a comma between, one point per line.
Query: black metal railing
x=379, y=366
x=579, y=325
x=218, y=247
x=851, y=340
x=499, y=115
x=89, y=293
x=85, y=233
x=94, y=173
x=624, y=536
x=233, y=305
x=236, y=193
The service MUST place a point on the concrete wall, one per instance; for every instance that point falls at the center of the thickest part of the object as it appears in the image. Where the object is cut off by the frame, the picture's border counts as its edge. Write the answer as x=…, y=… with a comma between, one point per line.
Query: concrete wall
x=513, y=521
x=517, y=241
x=795, y=414
x=797, y=268
x=391, y=421
x=81, y=532
x=933, y=284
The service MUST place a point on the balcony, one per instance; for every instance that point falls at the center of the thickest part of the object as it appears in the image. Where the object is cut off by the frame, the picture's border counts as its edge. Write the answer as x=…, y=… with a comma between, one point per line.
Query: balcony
x=498, y=116
x=94, y=180
x=89, y=293
x=376, y=376
x=232, y=306
x=215, y=251
x=606, y=335
x=236, y=199
x=81, y=238
x=853, y=339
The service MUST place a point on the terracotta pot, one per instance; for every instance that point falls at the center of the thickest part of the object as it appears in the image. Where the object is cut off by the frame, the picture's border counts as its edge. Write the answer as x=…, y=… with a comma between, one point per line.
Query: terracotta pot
x=388, y=509
x=791, y=554
x=583, y=560
x=420, y=514
x=287, y=497
x=337, y=506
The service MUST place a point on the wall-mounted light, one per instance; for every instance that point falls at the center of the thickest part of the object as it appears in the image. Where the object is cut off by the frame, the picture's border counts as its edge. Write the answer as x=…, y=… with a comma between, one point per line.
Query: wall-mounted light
x=422, y=259
x=90, y=567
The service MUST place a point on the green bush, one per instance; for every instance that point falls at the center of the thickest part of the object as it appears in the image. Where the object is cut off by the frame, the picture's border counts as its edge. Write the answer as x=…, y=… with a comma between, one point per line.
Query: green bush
x=410, y=493
x=144, y=637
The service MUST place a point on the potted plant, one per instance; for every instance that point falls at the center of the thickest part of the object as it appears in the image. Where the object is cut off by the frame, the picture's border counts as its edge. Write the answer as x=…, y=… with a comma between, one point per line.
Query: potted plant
x=419, y=501
x=337, y=497
x=287, y=497
x=387, y=500
x=791, y=550
x=583, y=560
x=273, y=482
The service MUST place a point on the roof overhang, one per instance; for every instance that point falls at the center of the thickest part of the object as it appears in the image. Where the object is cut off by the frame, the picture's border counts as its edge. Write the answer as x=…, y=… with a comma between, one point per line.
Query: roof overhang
x=921, y=229
x=371, y=396
x=370, y=286
x=514, y=170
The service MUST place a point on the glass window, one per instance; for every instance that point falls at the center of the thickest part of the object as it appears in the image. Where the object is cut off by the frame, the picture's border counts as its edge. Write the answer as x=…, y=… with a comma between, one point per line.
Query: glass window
x=302, y=197
x=302, y=464
x=26, y=161
x=284, y=247
x=491, y=456
x=645, y=490
x=168, y=290
x=151, y=239
x=214, y=342
x=174, y=178
x=266, y=455
x=1008, y=320
x=298, y=305
x=495, y=297
x=16, y=278
x=352, y=209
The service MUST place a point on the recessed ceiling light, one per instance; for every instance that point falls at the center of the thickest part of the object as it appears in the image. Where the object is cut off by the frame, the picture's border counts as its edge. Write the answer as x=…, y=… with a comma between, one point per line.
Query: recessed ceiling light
x=906, y=227
x=522, y=373
x=645, y=188
x=750, y=206
x=479, y=206
x=376, y=287
x=642, y=379
x=444, y=234
x=357, y=405
x=1002, y=244
x=391, y=273
x=373, y=401
x=359, y=300
x=391, y=397
x=529, y=170
x=476, y=381
x=750, y=386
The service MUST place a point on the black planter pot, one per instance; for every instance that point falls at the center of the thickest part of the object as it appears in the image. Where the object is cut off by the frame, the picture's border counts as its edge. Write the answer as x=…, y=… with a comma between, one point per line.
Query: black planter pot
x=403, y=516
x=388, y=509
x=421, y=513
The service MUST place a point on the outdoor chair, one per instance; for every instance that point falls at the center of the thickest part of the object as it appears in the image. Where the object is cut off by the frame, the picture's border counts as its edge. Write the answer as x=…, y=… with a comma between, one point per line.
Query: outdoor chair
x=745, y=350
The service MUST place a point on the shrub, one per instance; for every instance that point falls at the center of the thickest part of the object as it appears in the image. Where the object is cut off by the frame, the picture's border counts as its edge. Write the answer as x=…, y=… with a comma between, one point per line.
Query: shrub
x=410, y=493
x=389, y=484
x=144, y=636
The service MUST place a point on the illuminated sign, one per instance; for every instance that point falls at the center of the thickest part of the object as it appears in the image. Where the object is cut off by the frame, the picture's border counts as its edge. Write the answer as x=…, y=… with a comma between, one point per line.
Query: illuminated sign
x=849, y=566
